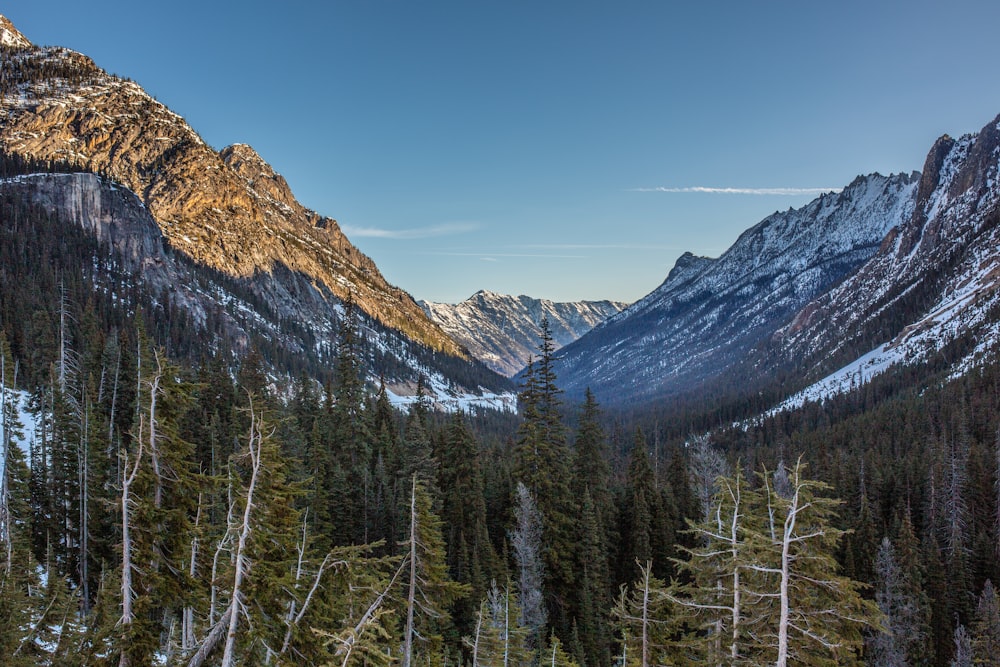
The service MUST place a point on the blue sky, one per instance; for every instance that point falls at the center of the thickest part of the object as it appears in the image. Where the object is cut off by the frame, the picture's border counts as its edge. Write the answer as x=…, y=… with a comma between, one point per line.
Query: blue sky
x=547, y=147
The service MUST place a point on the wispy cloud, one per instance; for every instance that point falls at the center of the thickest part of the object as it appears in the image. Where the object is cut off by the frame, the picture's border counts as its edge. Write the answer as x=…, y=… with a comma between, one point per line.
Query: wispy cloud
x=493, y=255
x=742, y=191
x=446, y=229
x=599, y=246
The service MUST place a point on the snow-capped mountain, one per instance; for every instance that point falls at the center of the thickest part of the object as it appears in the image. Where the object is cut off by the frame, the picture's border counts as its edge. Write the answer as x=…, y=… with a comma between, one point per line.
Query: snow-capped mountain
x=710, y=314
x=503, y=331
x=168, y=204
x=932, y=284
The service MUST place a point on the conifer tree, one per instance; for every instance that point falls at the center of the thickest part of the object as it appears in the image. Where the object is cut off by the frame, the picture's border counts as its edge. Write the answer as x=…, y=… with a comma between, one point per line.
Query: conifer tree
x=542, y=463
x=817, y=615
x=471, y=559
x=716, y=597
x=643, y=621
x=642, y=505
x=526, y=543
x=985, y=636
x=498, y=639
x=592, y=580
x=427, y=591
x=902, y=639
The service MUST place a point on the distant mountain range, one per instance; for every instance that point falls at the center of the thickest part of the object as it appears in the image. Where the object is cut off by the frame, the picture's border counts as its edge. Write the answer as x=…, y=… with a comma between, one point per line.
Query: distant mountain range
x=505, y=331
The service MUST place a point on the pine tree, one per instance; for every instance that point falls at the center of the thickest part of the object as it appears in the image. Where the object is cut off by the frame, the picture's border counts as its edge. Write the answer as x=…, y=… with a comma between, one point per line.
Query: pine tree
x=471, y=559
x=427, y=591
x=643, y=621
x=816, y=615
x=903, y=638
x=764, y=586
x=985, y=634
x=542, y=463
x=498, y=639
x=592, y=580
x=717, y=596
x=642, y=505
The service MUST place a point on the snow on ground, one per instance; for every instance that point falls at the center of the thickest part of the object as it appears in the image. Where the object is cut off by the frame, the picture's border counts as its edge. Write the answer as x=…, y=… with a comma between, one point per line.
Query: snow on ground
x=963, y=308
x=445, y=397
x=26, y=419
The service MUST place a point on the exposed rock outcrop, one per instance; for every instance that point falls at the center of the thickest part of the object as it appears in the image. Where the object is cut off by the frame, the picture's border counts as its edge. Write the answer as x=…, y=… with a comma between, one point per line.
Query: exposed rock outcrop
x=228, y=210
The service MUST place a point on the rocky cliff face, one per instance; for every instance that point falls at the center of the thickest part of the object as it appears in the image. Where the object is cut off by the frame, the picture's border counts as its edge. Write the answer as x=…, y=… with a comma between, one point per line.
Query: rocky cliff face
x=283, y=310
x=710, y=314
x=228, y=210
x=933, y=280
x=504, y=331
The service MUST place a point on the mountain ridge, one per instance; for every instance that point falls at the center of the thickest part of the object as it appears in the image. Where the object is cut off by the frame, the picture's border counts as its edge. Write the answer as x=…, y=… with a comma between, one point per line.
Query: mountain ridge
x=227, y=209
x=504, y=331
x=708, y=314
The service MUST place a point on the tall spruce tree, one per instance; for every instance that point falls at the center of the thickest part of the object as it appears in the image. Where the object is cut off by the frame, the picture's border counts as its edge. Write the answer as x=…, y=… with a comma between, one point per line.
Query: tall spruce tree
x=542, y=463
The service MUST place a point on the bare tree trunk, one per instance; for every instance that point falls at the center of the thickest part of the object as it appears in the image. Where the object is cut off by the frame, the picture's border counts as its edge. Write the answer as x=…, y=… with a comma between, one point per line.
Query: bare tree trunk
x=255, y=449
x=6, y=532
x=645, y=613
x=114, y=400
x=84, y=470
x=734, y=537
x=127, y=593
x=187, y=616
x=223, y=544
x=154, y=446
x=412, y=587
x=350, y=642
x=212, y=640
x=786, y=543
x=506, y=625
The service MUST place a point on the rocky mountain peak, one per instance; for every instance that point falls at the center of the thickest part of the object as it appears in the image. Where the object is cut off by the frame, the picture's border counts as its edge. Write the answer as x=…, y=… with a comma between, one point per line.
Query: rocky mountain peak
x=246, y=162
x=709, y=314
x=229, y=210
x=11, y=37
x=504, y=331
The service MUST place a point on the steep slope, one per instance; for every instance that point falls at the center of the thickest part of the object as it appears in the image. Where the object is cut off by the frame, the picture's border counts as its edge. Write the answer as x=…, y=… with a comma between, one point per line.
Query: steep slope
x=281, y=313
x=709, y=314
x=228, y=210
x=503, y=331
x=933, y=282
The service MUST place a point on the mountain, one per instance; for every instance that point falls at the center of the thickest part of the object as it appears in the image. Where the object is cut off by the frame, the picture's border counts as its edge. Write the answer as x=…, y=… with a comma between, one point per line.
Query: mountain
x=930, y=293
x=503, y=331
x=711, y=313
x=225, y=211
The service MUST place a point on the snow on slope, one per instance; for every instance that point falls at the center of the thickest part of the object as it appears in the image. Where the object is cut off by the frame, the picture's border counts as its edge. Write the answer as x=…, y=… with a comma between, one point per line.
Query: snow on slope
x=24, y=431
x=503, y=331
x=955, y=229
x=710, y=313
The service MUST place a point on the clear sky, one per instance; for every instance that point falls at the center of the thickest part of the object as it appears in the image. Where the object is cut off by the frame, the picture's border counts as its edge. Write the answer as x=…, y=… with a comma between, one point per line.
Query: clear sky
x=535, y=147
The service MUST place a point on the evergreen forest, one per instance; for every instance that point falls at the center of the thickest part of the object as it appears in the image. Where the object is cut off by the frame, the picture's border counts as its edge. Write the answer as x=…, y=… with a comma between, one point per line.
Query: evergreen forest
x=164, y=502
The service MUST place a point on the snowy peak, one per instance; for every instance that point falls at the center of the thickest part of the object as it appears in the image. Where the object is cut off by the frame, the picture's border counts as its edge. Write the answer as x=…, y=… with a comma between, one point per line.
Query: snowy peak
x=710, y=313
x=11, y=37
x=504, y=331
x=932, y=282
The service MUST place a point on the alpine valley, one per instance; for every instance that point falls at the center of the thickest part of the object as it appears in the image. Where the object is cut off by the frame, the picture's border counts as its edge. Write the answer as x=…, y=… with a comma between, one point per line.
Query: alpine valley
x=226, y=439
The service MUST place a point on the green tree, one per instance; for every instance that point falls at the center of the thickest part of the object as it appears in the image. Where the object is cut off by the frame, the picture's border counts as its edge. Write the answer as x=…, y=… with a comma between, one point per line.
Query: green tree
x=427, y=591
x=542, y=463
